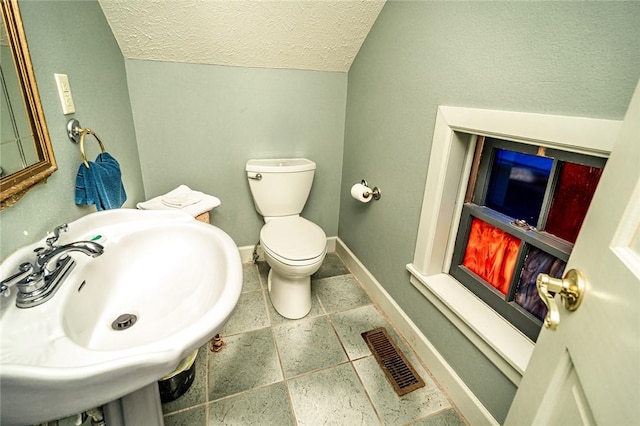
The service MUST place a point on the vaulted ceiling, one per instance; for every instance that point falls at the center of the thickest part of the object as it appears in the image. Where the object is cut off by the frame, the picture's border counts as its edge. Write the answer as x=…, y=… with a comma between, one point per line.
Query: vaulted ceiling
x=321, y=35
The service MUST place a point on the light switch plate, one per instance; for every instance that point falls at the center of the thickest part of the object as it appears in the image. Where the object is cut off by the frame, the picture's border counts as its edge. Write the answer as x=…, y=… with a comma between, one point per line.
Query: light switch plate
x=64, y=91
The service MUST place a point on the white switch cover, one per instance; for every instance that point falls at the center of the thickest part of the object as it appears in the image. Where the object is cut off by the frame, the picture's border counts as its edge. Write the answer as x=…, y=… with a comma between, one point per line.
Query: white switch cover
x=64, y=91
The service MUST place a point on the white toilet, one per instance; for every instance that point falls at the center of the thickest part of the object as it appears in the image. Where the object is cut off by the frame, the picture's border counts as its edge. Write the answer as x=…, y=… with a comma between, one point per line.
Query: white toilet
x=294, y=247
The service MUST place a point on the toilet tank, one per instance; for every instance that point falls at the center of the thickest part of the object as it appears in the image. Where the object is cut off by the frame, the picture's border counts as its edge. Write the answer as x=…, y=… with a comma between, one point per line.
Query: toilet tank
x=280, y=186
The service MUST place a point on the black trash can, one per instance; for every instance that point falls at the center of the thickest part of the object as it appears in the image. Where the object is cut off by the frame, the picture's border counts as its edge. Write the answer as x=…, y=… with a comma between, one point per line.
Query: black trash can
x=177, y=383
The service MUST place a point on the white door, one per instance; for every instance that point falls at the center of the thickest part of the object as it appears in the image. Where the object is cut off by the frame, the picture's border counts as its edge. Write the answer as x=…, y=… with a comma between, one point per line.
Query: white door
x=588, y=370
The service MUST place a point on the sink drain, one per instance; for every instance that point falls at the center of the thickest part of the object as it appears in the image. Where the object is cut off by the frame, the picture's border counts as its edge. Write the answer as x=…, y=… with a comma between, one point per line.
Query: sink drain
x=124, y=321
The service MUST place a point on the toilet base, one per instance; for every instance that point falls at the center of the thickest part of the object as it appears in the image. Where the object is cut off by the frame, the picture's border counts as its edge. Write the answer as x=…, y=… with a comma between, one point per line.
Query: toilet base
x=291, y=297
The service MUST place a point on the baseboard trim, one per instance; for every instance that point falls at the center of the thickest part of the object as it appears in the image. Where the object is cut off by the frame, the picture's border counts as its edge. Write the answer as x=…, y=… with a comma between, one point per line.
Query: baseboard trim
x=246, y=252
x=464, y=399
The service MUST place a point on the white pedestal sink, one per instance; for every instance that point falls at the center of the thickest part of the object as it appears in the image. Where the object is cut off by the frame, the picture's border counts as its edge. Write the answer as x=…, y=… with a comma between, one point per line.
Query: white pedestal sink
x=179, y=278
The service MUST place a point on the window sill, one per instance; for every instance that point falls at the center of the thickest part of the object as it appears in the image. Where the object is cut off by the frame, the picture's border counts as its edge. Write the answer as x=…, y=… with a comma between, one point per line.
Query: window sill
x=507, y=348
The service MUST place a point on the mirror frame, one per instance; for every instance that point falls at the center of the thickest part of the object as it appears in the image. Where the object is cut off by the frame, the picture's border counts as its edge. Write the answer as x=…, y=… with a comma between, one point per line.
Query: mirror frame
x=15, y=185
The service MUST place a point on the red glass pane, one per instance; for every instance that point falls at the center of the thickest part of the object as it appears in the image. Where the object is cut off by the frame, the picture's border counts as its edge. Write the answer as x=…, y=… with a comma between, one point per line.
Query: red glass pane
x=572, y=197
x=491, y=253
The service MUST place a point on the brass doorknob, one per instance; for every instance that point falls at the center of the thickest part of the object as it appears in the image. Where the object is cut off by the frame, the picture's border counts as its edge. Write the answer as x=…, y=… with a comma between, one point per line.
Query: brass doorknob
x=571, y=289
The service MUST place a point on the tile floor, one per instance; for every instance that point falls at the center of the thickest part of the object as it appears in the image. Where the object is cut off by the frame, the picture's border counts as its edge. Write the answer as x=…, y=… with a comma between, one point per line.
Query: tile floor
x=312, y=371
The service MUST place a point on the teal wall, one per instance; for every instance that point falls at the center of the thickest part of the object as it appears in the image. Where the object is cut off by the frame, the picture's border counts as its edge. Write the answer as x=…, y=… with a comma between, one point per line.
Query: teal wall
x=199, y=124
x=572, y=58
x=73, y=38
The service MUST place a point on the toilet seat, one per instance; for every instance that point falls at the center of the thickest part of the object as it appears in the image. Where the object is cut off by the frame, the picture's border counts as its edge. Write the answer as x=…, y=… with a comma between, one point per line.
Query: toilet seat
x=293, y=240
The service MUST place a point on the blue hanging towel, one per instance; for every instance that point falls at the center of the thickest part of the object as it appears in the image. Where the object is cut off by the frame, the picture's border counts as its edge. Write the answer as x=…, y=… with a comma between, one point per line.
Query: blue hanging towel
x=101, y=183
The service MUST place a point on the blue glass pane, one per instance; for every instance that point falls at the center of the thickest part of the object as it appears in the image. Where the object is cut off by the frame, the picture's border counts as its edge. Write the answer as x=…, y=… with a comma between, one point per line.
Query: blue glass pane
x=517, y=184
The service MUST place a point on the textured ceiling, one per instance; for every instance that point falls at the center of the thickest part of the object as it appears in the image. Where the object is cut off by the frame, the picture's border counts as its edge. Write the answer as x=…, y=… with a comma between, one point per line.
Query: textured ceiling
x=318, y=35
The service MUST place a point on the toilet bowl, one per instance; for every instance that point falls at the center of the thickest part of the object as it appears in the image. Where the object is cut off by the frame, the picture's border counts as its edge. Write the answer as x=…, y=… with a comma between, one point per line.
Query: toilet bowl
x=293, y=246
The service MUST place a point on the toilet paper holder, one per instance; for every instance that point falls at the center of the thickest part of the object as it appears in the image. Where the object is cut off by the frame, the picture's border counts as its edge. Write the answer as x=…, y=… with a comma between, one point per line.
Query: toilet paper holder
x=375, y=192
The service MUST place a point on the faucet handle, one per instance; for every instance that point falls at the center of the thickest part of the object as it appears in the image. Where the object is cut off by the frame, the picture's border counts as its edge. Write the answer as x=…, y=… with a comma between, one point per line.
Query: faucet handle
x=56, y=234
x=24, y=270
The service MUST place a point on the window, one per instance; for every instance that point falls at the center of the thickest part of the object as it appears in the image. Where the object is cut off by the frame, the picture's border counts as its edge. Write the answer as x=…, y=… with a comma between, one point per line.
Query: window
x=454, y=142
x=523, y=210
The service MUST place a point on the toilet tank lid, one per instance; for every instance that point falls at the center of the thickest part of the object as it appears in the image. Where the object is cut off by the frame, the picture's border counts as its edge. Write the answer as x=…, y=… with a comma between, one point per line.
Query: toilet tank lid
x=280, y=165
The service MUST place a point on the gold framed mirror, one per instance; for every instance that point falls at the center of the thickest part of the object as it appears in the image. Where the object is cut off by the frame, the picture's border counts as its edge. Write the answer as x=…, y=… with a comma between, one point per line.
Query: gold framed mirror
x=33, y=145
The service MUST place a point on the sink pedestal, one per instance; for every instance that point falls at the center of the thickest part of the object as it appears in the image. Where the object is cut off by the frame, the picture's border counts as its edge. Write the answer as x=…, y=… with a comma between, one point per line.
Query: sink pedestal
x=141, y=407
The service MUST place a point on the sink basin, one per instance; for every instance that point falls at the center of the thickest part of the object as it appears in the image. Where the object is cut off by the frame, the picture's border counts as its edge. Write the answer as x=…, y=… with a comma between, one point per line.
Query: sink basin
x=164, y=285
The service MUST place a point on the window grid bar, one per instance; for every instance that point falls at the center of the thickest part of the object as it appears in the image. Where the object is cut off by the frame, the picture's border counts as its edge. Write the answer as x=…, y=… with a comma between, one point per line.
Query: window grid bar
x=542, y=240
x=517, y=274
x=554, y=176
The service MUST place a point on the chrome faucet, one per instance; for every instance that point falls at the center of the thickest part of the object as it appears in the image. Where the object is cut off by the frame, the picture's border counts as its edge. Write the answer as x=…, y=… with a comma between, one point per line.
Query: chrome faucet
x=39, y=281
x=48, y=259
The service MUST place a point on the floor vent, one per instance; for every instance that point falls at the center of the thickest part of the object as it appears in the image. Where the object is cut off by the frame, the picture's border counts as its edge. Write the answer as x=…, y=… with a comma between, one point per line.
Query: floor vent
x=398, y=370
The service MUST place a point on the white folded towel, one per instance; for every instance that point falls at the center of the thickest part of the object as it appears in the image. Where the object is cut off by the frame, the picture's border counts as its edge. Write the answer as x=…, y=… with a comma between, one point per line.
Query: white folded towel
x=183, y=198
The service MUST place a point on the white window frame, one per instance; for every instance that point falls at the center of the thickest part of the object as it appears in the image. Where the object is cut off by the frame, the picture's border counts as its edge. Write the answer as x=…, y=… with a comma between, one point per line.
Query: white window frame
x=452, y=150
